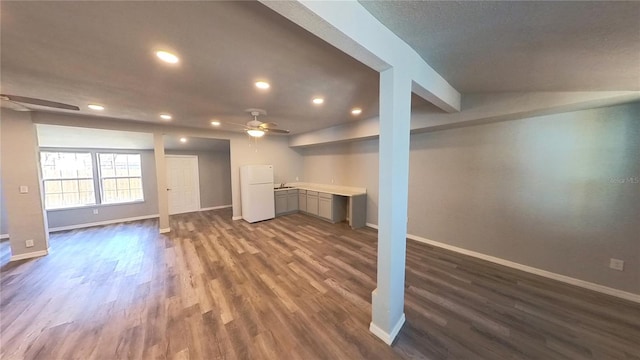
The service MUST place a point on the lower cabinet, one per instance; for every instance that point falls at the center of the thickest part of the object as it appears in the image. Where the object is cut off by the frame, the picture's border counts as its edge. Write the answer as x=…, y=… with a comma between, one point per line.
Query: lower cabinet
x=286, y=201
x=292, y=200
x=302, y=200
x=312, y=202
x=324, y=205
x=281, y=202
x=332, y=207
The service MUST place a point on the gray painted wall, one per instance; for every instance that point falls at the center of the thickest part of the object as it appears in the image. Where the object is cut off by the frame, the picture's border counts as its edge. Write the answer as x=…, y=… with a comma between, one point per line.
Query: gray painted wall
x=555, y=192
x=19, y=154
x=348, y=164
x=214, y=169
x=85, y=215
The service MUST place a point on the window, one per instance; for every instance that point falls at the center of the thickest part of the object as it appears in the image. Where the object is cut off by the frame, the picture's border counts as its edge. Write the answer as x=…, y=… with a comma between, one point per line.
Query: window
x=120, y=178
x=68, y=179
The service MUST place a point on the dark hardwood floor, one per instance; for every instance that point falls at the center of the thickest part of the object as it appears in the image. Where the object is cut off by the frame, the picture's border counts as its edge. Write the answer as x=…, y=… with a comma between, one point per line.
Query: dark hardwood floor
x=290, y=288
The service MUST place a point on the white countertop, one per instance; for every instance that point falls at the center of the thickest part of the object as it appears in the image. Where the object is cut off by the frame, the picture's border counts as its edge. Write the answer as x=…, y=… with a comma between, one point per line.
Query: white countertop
x=330, y=189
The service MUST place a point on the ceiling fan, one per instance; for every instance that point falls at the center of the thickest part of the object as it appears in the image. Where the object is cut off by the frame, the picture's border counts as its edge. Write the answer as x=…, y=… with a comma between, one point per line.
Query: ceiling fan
x=256, y=128
x=16, y=102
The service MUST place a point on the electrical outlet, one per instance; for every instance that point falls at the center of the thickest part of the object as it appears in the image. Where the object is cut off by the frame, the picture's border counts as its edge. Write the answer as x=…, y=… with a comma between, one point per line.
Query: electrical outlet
x=616, y=264
x=28, y=243
x=95, y=211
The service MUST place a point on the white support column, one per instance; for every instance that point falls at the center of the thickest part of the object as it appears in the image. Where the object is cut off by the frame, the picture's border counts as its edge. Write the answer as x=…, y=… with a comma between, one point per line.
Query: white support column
x=395, y=115
x=161, y=176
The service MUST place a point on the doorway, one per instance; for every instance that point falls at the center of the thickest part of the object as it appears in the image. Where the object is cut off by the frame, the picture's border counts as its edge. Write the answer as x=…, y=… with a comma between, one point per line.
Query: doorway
x=183, y=183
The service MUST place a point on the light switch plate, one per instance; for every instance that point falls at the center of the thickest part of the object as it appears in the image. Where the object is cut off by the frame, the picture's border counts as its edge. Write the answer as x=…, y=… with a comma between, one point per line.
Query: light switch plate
x=616, y=264
x=28, y=243
x=24, y=189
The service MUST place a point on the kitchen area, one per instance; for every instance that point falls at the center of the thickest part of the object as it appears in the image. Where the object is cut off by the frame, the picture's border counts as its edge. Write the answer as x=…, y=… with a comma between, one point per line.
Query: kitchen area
x=328, y=202
x=263, y=200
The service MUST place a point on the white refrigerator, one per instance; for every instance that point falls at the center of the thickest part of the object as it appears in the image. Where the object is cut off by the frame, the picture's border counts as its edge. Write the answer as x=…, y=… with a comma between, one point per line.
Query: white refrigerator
x=256, y=191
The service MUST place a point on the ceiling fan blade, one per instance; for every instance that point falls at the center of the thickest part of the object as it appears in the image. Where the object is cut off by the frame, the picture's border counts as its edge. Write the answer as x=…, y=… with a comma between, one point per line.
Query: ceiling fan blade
x=268, y=125
x=276, y=131
x=236, y=124
x=8, y=104
x=39, y=102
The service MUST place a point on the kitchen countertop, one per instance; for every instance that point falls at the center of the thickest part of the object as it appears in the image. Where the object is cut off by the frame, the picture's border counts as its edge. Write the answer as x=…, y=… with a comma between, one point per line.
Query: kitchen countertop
x=330, y=189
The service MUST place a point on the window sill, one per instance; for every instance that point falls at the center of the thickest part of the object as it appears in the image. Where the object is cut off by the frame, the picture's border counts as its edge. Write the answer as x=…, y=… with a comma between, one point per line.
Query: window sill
x=95, y=206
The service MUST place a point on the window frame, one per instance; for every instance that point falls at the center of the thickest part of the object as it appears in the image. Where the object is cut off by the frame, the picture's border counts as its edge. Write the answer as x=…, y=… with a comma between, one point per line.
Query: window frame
x=95, y=173
x=100, y=178
x=61, y=179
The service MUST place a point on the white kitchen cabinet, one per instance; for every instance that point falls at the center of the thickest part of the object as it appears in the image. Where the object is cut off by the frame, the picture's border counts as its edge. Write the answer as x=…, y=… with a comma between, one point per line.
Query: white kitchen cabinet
x=312, y=202
x=302, y=200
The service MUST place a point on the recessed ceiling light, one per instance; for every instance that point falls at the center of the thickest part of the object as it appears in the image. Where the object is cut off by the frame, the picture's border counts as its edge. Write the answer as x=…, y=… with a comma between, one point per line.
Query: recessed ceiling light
x=356, y=111
x=318, y=101
x=167, y=57
x=95, y=107
x=262, y=85
x=183, y=139
x=215, y=123
x=165, y=116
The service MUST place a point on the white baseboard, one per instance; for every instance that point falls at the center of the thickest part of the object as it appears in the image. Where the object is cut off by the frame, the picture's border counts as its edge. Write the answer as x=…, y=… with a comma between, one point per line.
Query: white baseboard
x=100, y=223
x=29, y=255
x=544, y=273
x=384, y=336
x=165, y=230
x=216, y=207
x=236, y=218
x=4, y=236
x=532, y=270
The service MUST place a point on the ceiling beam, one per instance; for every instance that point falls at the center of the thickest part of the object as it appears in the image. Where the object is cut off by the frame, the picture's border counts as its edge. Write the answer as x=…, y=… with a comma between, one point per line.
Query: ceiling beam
x=478, y=109
x=348, y=26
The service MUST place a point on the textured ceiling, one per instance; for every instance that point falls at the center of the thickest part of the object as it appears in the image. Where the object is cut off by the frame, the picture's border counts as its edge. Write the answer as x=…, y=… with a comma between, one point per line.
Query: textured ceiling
x=103, y=52
x=196, y=144
x=493, y=46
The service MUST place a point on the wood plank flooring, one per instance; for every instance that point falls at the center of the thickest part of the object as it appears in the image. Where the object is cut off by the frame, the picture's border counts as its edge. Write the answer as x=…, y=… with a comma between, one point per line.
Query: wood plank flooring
x=291, y=288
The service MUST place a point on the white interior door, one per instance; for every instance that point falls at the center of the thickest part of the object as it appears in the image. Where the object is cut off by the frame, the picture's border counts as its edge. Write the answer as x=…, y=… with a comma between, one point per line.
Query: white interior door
x=183, y=184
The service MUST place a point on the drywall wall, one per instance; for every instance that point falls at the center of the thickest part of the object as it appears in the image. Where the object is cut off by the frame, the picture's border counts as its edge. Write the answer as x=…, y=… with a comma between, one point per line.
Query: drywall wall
x=348, y=164
x=62, y=218
x=559, y=192
x=214, y=169
x=26, y=219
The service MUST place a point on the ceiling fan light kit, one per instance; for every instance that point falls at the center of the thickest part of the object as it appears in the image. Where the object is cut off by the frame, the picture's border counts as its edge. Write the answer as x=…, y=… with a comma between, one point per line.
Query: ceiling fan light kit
x=256, y=128
x=255, y=132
